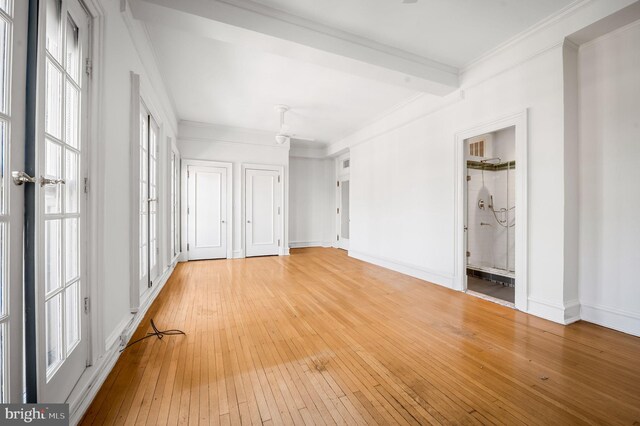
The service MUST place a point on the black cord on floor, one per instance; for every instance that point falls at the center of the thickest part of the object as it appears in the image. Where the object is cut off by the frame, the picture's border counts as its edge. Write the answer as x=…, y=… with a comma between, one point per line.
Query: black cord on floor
x=158, y=333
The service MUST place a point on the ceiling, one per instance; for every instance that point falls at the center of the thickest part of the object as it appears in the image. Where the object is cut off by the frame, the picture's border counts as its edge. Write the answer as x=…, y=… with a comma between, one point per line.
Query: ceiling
x=237, y=84
x=453, y=32
x=216, y=82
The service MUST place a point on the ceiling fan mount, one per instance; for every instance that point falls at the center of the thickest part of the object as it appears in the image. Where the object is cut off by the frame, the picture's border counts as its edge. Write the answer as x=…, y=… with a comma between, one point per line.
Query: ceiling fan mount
x=284, y=134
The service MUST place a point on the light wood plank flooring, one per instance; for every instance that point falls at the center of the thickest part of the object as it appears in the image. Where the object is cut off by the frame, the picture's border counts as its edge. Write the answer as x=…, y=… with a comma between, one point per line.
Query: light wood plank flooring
x=320, y=338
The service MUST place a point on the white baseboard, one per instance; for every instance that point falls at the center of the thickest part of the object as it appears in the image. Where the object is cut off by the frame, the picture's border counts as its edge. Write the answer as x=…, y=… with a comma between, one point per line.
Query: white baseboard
x=94, y=376
x=238, y=254
x=305, y=244
x=617, y=319
x=407, y=269
x=562, y=314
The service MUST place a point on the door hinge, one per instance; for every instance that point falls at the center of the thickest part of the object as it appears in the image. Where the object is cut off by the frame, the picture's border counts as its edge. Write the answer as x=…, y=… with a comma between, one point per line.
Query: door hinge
x=188, y=210
x=86, y=185
x=278, y=210
x=338, y=210
x=338, y=183
x=188, y=246
x=86, y=305
x=188, y=173
x=88, y=66
x=337, y=237
x=278, y=243
x=468, y=254
x=278, y=178
x=468, y=178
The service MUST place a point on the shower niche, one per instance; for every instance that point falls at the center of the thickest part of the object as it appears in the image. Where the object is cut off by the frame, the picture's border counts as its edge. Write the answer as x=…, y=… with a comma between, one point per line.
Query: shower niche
x=490, y=214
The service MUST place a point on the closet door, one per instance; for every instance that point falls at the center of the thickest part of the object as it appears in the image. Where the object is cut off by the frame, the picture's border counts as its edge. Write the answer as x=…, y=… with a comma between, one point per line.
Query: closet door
x=206, y=211
x=262, y=212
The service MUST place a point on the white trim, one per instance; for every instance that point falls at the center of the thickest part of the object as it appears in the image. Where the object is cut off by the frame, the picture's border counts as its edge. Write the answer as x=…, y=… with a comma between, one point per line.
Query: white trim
x=617, y=319
x=238, y=254
x=370, y=132
x=96, y=180
x=306, y=244
x=94, y=377
x=186, y=162
x=519, y=120
x=134, y=192
x=614, y=33
x=434, y=277
x=284, y=202
x=562, y=314
x=540, y=26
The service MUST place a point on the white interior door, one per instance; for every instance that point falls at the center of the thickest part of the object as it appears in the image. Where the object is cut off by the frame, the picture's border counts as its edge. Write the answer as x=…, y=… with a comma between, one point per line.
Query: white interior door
x=207, y=211
x=262, y=212
x=343, y=212
x=61, y=211
x=13, y=44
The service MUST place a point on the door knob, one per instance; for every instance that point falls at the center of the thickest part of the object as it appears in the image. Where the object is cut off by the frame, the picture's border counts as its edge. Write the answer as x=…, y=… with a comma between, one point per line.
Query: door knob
x=222, y=221
x=248, y=221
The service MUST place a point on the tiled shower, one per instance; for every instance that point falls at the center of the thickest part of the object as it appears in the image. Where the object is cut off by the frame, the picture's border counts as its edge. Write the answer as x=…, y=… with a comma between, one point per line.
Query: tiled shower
x=491, y=173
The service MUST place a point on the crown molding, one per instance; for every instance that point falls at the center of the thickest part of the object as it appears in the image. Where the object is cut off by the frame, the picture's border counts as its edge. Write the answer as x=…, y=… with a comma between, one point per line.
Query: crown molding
x=535, y=28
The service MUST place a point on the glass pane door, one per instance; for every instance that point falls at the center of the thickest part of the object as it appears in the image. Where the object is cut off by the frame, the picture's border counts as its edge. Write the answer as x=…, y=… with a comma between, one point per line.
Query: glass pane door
x=62, y=212
x=148, y=213
x=13, y=42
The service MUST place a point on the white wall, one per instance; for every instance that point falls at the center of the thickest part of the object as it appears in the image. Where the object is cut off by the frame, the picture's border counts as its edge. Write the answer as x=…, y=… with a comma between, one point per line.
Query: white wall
x=403, y=181
x=609, y=88
x=121, y=56
x=312, y=209
x=403, y=178
x=198, y=141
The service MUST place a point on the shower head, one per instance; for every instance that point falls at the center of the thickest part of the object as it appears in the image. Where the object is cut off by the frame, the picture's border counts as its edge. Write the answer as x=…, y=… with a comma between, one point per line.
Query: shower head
x=495, y=160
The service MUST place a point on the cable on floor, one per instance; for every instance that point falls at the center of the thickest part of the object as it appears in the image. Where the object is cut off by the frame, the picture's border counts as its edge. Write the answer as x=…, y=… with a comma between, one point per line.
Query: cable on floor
x=156, y=332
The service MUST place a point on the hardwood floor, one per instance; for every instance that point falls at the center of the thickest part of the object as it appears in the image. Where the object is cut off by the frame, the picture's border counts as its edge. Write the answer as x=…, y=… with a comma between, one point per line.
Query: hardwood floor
x=320, y=338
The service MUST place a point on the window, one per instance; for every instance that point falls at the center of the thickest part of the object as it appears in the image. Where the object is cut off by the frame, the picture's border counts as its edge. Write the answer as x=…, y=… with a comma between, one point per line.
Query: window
x=175, y=204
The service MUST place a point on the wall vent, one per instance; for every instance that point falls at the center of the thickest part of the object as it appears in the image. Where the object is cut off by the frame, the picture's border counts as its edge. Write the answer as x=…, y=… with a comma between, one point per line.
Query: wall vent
x=476, y=149
x=345, y=164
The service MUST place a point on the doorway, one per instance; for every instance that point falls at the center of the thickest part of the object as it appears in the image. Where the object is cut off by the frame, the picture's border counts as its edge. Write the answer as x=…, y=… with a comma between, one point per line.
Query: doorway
x=491, y=211
x=263, y=210
x=207, y=211
x=343, y=214
x=343, y=197
x=490, y=215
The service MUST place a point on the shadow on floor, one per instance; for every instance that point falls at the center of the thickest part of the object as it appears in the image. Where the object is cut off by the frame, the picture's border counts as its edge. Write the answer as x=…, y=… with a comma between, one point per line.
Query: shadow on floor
x=492, y=289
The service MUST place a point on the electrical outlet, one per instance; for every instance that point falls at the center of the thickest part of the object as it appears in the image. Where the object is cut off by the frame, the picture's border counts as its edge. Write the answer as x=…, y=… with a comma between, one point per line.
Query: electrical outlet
x=123, y=339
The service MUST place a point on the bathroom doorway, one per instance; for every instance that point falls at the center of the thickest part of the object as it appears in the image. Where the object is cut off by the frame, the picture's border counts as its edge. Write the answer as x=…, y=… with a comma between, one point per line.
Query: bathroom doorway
x=490, y=161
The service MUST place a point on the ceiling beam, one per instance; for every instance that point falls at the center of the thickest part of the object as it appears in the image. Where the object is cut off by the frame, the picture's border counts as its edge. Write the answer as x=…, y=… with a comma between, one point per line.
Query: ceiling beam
x=249, y=24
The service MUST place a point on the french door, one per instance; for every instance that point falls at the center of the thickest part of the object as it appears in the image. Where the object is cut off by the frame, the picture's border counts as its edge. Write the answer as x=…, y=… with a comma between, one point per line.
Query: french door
x=206, y=212
x=60, y=201
x=263, y=193
x=13, y=52
x=148, y=217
